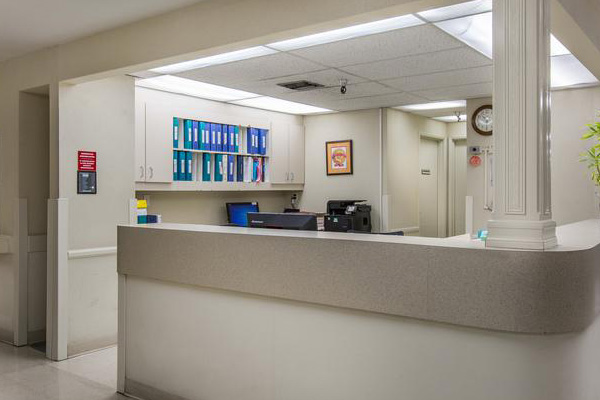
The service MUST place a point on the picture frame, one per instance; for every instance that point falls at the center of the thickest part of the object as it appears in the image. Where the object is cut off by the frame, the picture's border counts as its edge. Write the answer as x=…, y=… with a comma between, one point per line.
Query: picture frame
x=87, y=182
x=338, y=156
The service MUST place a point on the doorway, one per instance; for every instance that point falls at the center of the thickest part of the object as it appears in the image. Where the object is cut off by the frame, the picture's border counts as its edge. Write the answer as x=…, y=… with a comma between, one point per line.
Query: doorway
x=34, y=191
x=429, y=196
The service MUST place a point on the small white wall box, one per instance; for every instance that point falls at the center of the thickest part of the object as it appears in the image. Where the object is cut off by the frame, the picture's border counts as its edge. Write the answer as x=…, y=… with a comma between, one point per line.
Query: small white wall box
x=474, y=150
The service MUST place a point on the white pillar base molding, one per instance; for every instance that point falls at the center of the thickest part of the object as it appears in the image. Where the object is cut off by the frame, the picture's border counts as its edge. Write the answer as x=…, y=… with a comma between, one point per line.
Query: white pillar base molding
x=526, y=235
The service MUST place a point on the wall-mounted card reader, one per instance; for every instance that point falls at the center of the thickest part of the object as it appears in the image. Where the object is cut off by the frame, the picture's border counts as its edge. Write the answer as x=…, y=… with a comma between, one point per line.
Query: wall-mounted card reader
x=474, y=150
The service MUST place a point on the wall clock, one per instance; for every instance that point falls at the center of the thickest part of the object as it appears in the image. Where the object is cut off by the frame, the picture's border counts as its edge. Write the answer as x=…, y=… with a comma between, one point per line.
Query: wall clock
x=483, y=120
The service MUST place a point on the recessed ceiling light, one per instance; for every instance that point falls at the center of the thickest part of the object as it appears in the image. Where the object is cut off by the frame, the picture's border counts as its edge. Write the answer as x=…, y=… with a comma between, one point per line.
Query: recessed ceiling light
x=350, y=32
x=284, y=106
x=440, y=105
x=451, y=118
x=190, y=87
x=457, y=11
x=475, y=31
x=224, y=58
x=567, y=70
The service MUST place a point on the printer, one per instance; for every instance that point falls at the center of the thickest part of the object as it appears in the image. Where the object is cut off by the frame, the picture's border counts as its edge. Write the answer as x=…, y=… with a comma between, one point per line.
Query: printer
x=348, y=216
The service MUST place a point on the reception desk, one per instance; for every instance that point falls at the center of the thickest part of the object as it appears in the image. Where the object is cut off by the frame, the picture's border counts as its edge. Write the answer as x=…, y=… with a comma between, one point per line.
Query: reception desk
x=212, y=312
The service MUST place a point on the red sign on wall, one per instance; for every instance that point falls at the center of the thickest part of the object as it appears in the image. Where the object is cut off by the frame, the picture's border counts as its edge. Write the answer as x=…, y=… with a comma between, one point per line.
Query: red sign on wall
x=86, y=160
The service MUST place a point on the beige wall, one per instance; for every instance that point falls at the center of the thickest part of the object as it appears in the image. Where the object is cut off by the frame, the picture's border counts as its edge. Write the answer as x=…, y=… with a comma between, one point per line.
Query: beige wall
x=401, y=165
x=96, y=116
x=476, y=175
x=363, y=128
x=573, y=196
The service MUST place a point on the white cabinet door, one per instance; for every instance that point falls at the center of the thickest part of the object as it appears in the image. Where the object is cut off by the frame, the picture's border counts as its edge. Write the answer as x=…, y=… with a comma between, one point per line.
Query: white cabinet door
x=159, y=143
x=279, y=158
x=140, y=142
x=296, y=153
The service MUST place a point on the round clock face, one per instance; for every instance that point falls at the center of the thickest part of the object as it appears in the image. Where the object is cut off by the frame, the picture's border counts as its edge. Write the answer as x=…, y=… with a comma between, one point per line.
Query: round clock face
x=483, y=120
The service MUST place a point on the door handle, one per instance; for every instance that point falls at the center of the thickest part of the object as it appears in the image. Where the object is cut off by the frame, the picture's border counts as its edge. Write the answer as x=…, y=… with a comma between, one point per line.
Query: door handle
x=141, y=171
x=151, y=173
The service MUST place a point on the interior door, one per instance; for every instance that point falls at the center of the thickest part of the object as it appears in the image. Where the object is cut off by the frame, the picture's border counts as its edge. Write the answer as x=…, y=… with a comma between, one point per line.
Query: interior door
x=460, y=185
x=296, y=151
x=428, y=188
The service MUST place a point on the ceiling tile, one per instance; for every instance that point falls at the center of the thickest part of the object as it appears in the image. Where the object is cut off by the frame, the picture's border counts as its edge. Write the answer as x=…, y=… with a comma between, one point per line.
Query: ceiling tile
x=383, y=46
x=254, y=69
x=458, y=92
x=447, y=60
x=269, y=87
x=442, y=79
x=388, y=100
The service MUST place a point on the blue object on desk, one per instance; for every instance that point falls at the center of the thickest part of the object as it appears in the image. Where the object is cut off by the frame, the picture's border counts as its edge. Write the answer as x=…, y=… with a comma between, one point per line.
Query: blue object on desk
x=237, y=212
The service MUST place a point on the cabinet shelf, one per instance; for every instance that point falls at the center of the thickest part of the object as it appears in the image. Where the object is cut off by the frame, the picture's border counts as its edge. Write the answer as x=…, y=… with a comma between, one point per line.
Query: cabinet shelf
x=195, y=186
x=222, y=152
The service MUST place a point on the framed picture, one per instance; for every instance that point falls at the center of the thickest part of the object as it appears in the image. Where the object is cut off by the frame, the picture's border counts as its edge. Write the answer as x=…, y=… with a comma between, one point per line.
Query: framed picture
x=339, y=157
x=86, y=182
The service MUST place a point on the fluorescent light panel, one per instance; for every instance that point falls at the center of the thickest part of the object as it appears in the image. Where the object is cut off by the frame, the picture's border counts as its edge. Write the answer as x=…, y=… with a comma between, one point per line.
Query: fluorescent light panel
x=567, y=70
x=557, y=48
x=273, y=104
x=451, y=118
x=475, y=31
x=440, y=105
x=457, y=11
x=174, y=84
x=370, y=28
x=224, y=58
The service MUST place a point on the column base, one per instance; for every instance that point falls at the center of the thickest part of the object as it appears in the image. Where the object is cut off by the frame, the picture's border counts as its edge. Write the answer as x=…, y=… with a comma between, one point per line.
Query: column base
x=526, y=235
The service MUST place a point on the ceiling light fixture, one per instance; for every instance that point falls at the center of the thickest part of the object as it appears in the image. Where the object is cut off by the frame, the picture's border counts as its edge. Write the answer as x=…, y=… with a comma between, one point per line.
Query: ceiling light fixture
x=451, y=118
x=284, y=106
x=174, y=84
x=567, y=70
x=440, y=105
x=457, y=11
x=370, y=28
x=224, y=58
x=475, y=31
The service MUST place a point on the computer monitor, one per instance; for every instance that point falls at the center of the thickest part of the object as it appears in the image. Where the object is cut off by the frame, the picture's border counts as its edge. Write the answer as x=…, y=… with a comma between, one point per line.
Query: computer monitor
x=237, y=212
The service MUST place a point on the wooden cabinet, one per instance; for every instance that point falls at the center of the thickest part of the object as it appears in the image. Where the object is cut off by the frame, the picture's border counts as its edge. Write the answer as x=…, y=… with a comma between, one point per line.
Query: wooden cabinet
x=287, y=155
x=154, y=143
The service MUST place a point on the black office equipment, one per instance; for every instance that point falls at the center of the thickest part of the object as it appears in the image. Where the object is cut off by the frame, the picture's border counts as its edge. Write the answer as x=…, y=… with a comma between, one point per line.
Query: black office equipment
x=348, y=216
x=236, y=212
x=295, y=221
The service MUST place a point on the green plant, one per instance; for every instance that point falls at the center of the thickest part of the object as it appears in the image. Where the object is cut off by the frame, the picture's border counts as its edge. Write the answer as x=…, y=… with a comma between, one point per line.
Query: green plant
x=592, y=156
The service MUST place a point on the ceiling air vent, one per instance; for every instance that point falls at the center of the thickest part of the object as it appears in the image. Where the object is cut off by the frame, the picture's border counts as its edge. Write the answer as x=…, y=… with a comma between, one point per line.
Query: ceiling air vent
x=300, y=85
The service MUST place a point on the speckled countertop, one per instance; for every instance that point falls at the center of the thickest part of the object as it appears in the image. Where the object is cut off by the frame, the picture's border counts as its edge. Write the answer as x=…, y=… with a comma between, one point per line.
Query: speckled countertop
x=454, y=280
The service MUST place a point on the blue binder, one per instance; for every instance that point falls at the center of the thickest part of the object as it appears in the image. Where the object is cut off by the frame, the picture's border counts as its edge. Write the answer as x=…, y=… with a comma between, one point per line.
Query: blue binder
x=240, y=169
x=230, y=168
x=181, y=166
x=213, y=137
x=262, y=141
x=219, y=137
x=225, y=137
x=206, y=167
x=202, y=144
x=187, y=134
x=231, y=141
x=236, y=132
x=175, y=133
x=188, y=165
x=250, y=140
x=195, y=141
x=218, y=168
x=175, y=165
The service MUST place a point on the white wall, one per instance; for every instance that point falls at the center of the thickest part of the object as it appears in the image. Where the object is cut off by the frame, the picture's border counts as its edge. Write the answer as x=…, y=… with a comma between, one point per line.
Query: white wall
x=96, y=116
x=363, y=128
x=573, y=196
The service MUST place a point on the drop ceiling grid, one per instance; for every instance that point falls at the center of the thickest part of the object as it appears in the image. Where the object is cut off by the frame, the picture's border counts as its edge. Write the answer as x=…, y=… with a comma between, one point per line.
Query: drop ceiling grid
x=417, y=64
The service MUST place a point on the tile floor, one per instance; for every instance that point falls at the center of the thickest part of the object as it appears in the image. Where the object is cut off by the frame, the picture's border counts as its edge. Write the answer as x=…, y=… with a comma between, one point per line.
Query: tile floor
x=25, y=374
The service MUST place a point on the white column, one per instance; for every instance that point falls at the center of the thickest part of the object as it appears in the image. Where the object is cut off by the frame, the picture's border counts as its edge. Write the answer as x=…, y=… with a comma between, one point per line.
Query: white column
x=522, y=217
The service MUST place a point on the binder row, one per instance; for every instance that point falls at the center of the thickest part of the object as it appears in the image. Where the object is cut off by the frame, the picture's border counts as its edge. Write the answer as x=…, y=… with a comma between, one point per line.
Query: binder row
x=207, y=167
x=207, y=136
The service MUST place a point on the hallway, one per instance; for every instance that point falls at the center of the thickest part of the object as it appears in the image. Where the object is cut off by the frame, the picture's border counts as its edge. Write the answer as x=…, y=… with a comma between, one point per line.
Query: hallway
x=25, y=374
